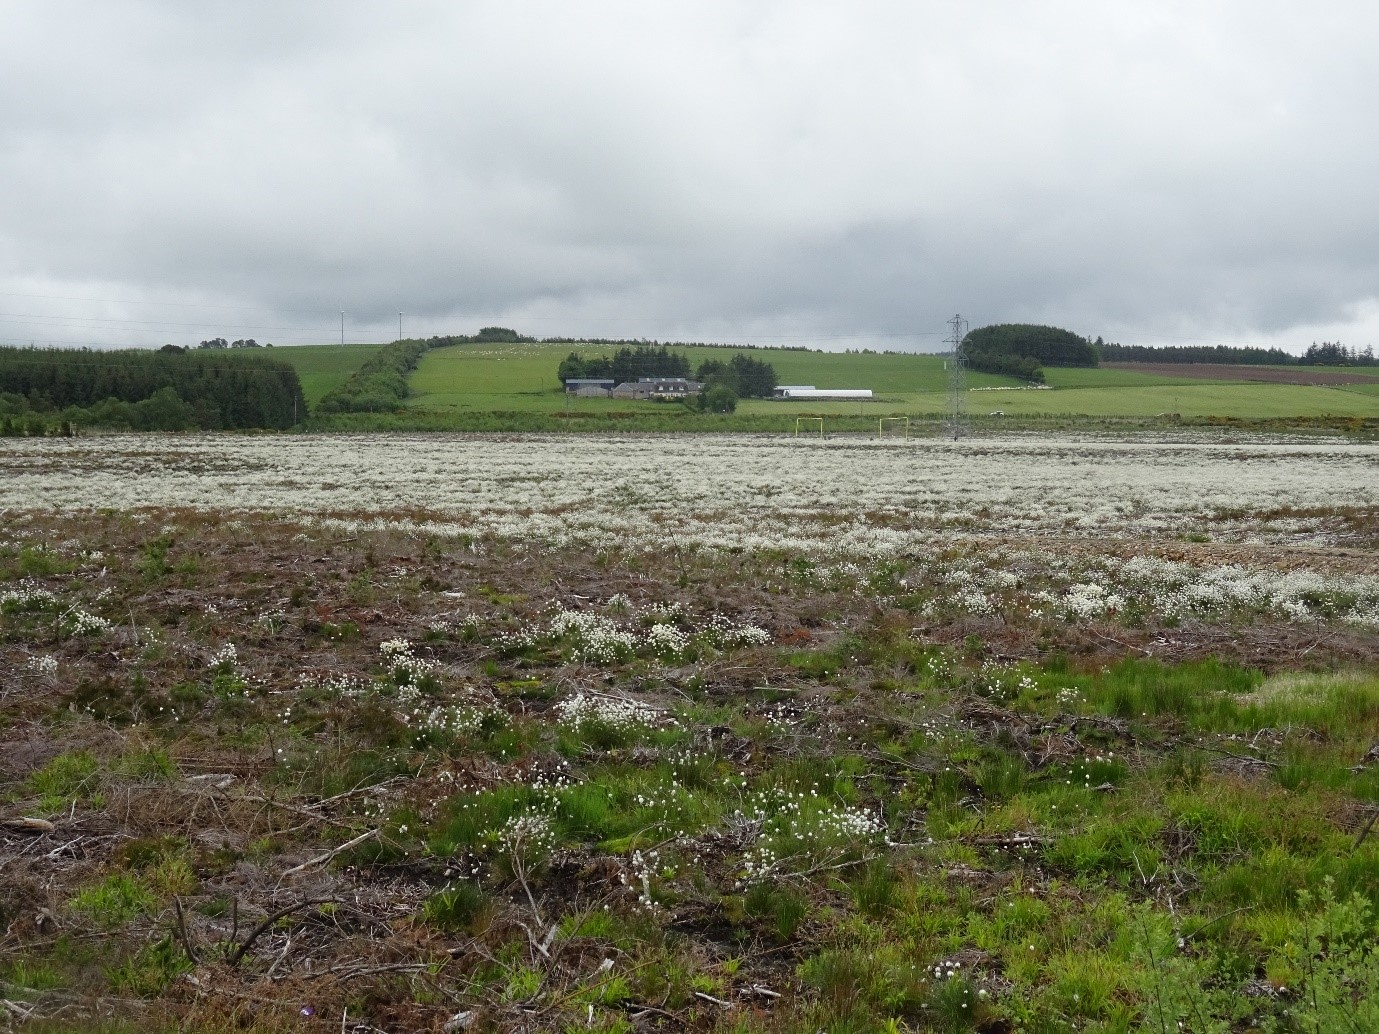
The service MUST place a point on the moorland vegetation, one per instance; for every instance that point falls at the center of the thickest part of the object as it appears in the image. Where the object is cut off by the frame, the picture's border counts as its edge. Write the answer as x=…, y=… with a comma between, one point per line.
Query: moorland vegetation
x=795, y=742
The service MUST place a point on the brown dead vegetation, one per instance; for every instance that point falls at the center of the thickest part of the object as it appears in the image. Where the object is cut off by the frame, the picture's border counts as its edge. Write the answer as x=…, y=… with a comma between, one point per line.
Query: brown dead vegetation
x=258, y=848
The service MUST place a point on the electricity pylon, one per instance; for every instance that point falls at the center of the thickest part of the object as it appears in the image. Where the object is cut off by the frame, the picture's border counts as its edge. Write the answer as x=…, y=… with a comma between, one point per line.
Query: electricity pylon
x=957, y=378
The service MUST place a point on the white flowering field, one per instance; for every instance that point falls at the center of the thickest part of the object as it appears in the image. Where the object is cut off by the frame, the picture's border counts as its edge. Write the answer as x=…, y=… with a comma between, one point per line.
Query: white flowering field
x=872, y=497
x=460, y=733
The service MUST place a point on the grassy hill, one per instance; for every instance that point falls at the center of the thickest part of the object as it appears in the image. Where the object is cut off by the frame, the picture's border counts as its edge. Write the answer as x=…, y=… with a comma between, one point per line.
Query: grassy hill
x=523, y=377
x=323, y=367
x=498, y=386
x=472, y=379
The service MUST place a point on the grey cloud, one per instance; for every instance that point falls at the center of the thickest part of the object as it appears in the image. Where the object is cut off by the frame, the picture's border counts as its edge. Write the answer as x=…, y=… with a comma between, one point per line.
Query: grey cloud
x=1152, y=173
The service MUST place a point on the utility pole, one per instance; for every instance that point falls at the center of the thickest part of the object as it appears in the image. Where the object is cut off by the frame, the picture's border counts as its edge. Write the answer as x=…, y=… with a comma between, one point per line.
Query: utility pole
x=957, y=386
x=399, y=326
x=342, y=326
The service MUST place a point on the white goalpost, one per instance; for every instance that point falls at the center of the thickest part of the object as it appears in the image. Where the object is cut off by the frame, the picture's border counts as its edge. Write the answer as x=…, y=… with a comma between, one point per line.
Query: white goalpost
x=894, y=426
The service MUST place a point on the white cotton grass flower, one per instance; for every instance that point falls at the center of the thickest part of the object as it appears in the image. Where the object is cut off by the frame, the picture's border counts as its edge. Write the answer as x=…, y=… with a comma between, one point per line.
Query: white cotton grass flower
x=785, y=827
x=595, y=638
x=1088, y=600
x=27, y=596
x=526, y=838
x=722, y=631
x=451, y=720
x=582, y=710
x=666, y=641
x=44, y=665
x=403, y=666
x=225, y=659
x=333, y=683
x=824, y=500
x=81, y=622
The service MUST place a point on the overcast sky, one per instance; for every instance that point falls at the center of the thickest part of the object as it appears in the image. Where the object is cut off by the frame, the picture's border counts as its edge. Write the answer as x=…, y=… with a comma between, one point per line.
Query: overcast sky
x=775, y=172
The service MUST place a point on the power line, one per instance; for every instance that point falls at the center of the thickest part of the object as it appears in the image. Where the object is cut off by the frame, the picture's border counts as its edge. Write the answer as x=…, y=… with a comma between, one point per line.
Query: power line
x=26, y=317
x=26, y=340
x=146, y=301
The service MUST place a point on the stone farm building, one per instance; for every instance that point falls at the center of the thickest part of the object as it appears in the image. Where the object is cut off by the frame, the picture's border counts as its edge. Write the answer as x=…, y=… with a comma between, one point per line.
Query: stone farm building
x=589, y=386
x=641, y=388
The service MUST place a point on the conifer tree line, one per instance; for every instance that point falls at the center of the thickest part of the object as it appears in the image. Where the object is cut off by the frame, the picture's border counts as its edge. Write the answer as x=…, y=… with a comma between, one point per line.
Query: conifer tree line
x=627, y=364
x=1327, y=353
x=169, y=389
x=1022, y=349
x=743, y=375
x=380, y=385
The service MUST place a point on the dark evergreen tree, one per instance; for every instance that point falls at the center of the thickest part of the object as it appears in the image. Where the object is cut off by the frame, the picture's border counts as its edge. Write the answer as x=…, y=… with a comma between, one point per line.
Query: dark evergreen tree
x=242, y=389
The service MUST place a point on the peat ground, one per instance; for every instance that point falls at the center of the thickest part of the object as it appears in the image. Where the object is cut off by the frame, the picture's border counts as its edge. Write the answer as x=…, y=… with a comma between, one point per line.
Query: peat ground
x=258, y=774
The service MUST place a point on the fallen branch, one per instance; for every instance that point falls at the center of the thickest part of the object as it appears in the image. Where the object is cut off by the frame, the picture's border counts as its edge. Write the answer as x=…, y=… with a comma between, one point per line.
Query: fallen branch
x=348, y=972
x=358, y=789
x=182, y=930
x=23, y=1011
x=28, y=825
x=1013, y=841
x=1243, y=757
x=711, y=998
x=321, y=859
x=757, y=989
x=1365, y=832
x=258, y=931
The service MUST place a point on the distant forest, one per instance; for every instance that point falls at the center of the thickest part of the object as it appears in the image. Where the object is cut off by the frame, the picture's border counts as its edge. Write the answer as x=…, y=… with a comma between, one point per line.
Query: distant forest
x=169, y=390
x=627, y=364
x=1328, y=353
x=1022, y=350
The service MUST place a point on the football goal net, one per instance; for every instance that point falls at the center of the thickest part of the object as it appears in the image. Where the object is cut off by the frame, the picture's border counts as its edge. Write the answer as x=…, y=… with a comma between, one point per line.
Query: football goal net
x=893, y=427
x=808, y=423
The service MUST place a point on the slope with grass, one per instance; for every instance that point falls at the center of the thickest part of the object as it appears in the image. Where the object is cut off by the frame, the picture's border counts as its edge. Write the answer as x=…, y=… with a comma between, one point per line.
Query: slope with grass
x=467, y=382
x=322, y=368
x=523, y=377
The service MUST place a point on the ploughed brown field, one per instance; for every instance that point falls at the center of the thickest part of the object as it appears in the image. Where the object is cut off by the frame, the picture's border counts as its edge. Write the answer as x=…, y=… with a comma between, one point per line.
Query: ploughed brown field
x=1228, y=372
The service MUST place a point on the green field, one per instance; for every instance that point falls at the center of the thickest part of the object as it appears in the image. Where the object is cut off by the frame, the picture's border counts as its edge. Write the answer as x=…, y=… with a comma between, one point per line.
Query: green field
x=468, y=381
x=523, y=377
x=473, y=379
x=323, y=367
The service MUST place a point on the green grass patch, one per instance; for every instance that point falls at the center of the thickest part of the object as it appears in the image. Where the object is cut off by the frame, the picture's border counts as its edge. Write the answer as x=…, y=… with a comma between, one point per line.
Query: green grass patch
x=114, y=901
x=70, y=777
x=322, y=368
